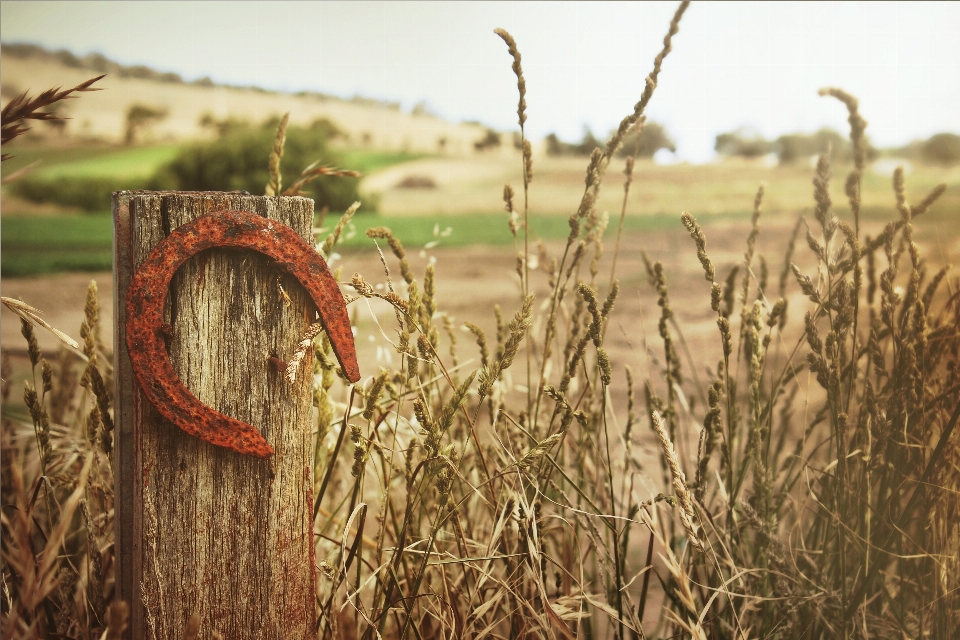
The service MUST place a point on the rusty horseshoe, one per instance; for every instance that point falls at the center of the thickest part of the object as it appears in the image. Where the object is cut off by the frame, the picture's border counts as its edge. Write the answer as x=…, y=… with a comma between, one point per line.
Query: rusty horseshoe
x=144, y=317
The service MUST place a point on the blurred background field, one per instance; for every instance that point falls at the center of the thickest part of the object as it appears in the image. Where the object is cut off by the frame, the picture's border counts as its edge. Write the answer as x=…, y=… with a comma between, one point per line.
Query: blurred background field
x=435, y=183
x=416, y=166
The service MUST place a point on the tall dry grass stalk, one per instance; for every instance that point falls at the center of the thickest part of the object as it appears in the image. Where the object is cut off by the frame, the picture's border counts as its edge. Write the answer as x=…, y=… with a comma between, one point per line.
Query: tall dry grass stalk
x=820, y=500
x=23, y=107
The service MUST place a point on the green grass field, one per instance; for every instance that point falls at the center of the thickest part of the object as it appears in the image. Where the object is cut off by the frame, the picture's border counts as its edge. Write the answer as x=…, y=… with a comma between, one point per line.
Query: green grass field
x=368, y=161
x=139, y=162
x=93, y=162
x=32, y=244
x=36, y=244
x=50, y=244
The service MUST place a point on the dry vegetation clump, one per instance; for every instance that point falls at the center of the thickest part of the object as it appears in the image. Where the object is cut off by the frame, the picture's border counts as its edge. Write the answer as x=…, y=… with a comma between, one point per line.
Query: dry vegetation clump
x=494, y=489
x=57, y=491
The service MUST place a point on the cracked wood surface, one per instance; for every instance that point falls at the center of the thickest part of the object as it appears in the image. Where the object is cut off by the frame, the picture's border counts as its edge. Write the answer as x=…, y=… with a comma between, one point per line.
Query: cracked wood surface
x=205, y=529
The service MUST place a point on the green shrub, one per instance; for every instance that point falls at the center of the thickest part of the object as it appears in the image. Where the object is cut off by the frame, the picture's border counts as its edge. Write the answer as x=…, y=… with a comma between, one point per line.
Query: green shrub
x=651, y=139
x=800, y=146
x=140, y=117
x=743, y=143
x=557, y=147
x=90, y=194
x=791, y=147
x=238, y=162
x=490, y=140
x=942, y=149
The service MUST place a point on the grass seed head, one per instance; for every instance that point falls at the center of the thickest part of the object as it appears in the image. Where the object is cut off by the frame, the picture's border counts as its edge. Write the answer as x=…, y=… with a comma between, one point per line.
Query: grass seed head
x=373, y=396
x=858, y=125
x=690, y=223
x=518, y=70
x=334, y=237
x=33, y=347
x=682, y=491
x=276, y=155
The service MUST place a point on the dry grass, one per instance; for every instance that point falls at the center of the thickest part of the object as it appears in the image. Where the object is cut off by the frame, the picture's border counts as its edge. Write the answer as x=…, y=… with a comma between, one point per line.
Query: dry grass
x=23, y=107
x=494, y=486
x=57, y=491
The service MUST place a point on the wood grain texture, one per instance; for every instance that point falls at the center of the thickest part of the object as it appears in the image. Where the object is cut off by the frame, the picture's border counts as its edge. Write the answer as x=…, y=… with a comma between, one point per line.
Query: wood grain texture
x=215, y=532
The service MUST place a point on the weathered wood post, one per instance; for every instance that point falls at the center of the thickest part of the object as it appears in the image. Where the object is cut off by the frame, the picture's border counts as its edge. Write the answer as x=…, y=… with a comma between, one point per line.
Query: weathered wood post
x=202, y=529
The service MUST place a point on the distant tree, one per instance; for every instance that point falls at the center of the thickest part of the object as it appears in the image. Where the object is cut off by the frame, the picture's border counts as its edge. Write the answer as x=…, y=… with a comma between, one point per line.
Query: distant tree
x=743, y=143
x=490, y=140
x=652, y=138
x=799, y=146
x=99, y=62
x=557, y=147
x=588, y=142
x=146, y=73
x=942, y=149
x=139, y=117
x=222, y=127
x=422, y=108
x=328, y=128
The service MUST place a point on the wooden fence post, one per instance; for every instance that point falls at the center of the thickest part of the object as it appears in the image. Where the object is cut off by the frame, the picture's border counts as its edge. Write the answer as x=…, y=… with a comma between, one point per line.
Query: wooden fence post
x=202, y=529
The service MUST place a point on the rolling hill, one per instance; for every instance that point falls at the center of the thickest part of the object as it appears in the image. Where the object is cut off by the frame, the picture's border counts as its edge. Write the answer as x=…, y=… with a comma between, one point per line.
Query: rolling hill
x=102, y=116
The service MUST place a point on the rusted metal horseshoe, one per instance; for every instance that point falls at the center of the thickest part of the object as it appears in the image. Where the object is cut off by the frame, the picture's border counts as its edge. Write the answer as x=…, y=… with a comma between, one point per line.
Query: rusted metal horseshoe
x=148, y=291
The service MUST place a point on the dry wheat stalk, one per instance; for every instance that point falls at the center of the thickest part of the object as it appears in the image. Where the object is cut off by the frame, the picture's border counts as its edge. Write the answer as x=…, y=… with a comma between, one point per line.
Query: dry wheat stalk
x=687, y=514
x=276, y=155
x=23, y=107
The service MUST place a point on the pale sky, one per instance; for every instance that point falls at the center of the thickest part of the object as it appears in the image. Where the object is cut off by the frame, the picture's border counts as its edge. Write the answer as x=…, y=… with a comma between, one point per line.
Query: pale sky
x=733, y=64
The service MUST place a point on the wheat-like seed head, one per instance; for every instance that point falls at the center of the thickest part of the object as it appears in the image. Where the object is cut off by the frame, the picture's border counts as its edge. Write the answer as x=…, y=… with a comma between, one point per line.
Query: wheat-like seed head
x=680, y=487
x=821, y=190
x=481, y=342
x=857, y=125
x=304, y=344
x=23, y=107
x=312, y=172
x=527, y=161
x=276, y=155
x=690, y=223
x=543, y=447
x=32, y=316
x=334, y=237
x=518, y=70
x=373, y=396
x=397, y=247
